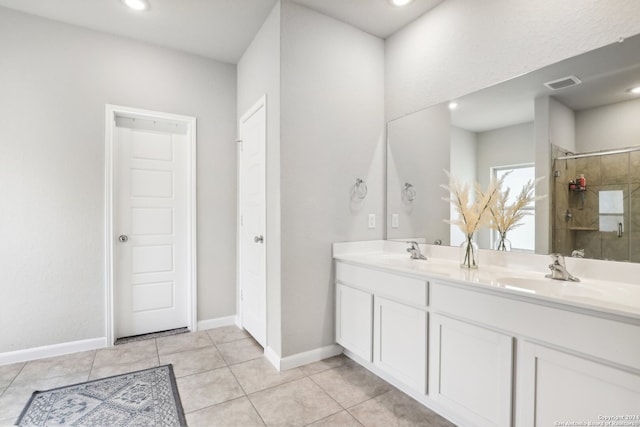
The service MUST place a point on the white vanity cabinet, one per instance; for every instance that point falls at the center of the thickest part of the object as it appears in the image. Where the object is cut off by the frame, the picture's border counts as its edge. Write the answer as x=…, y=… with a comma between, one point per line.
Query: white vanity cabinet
x=354, y=320
x=483, y=356
x=382, y=319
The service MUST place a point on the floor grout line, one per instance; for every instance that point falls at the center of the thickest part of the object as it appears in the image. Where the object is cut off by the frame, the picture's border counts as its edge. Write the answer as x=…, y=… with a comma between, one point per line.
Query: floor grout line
x=327, y=393
x=93, y=362
x=256, y=409
x=274, y=386
x=354, y=417
x=24, y=364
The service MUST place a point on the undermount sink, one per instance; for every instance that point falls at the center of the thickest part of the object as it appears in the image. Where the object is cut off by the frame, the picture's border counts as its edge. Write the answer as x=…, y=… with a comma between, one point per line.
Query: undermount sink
x=393, y=256
x=405, y=261
x=550, y=287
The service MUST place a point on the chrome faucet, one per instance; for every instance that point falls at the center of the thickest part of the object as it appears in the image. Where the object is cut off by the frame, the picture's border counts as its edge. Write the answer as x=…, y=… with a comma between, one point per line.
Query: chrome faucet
x=414, y=250
x=577, y=253
x=559, y=270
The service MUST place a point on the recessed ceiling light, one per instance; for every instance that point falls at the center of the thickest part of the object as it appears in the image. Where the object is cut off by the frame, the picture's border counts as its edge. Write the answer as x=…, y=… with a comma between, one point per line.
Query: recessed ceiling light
x=138, y=5
x=453, y=105
x=635, y=90
x=400, y=2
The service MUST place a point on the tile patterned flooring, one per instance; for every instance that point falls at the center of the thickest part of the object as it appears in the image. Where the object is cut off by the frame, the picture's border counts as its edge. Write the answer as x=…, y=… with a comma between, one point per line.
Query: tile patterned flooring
x=224, y=380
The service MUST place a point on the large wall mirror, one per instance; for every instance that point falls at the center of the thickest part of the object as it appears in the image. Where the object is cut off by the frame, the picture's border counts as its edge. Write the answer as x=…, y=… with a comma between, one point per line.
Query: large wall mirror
x=577, y=118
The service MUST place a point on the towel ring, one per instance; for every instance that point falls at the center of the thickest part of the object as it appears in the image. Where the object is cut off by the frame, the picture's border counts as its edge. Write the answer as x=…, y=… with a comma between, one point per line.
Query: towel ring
x=409, y=192
x=359, y=191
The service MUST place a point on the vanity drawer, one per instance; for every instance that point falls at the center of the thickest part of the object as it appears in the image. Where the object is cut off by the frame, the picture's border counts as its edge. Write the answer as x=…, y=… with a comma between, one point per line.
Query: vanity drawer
x=400, y=288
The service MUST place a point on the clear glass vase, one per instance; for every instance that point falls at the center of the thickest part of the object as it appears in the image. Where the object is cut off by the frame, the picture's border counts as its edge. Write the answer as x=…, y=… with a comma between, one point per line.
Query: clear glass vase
x=469, y=253
x=503, y=244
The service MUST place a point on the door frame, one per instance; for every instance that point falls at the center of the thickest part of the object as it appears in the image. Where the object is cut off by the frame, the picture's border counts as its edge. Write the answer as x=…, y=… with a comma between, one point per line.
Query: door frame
x=111, y=112
x=260, y=103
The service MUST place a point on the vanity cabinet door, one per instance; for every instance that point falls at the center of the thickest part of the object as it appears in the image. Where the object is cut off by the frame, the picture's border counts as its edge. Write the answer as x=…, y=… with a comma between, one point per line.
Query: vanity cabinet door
x=354, y=320
x=556, y=387
x=400, y=342
x=470, y=371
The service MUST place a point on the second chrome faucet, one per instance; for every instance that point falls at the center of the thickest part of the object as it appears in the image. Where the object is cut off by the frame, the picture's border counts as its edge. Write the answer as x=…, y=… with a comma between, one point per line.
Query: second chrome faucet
x=559, y=269
x=414, y=250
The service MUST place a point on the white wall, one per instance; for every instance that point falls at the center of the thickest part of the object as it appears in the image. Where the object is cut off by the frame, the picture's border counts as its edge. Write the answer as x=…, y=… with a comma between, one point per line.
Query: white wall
x=332, y=127
x=418, y=145
x=542, y=136
x=462, y=46
x=507, y=146
x=562, y=125
x=259, y=74
x=608, y=127
x=554, y=123
x=55, y=80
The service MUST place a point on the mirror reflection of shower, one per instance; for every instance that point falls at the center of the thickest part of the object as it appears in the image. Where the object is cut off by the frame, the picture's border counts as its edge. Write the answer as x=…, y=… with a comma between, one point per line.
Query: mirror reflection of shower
x=596, y=204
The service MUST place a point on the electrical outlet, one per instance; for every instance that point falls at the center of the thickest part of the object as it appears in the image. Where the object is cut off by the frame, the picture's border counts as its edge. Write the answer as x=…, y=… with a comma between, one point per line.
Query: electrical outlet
x=372, y=220
x=394, y=221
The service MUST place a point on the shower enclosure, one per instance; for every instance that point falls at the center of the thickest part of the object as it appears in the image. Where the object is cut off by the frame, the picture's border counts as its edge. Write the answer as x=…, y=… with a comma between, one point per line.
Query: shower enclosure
x=596, y=204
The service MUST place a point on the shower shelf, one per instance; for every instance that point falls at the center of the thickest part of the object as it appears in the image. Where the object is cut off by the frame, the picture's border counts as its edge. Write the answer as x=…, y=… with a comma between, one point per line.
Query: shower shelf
x=583, y=229
x=576, y=188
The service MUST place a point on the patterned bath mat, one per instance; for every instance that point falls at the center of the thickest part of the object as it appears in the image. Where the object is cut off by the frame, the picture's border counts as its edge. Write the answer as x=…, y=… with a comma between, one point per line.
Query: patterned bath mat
x=143, y=398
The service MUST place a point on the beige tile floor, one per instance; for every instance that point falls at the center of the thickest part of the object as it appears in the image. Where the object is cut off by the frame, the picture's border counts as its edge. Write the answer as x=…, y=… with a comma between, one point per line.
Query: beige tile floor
x=224, y=380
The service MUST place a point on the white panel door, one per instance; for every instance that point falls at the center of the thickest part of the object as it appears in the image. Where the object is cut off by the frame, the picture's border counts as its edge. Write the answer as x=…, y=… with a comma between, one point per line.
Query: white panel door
x=150, y=231
x=354, y=320
x=557, y=388
x=471, y=371
x=400, y=342
x=253, y=282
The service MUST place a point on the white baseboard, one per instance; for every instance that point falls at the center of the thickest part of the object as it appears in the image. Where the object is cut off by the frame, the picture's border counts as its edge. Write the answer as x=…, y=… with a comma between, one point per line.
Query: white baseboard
x=52, y=350
x=216, y=323
x=300, y=359
x=272, y=357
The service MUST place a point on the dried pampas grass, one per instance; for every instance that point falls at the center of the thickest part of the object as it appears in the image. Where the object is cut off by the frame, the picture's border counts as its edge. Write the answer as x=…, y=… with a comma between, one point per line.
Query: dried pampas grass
x=472, y=213
x=506, y=217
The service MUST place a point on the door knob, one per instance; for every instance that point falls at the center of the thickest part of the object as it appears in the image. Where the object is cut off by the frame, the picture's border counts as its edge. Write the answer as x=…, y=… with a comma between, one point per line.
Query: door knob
x=123, y=238
x=259, y=239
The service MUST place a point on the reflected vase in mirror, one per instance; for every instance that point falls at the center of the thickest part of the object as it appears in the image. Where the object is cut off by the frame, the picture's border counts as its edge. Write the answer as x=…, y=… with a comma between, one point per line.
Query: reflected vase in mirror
x=503, y=244
x=469, y=253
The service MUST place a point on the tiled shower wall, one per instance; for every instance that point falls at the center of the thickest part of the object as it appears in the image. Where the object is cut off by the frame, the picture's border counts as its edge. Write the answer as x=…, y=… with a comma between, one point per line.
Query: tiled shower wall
x=577, y=218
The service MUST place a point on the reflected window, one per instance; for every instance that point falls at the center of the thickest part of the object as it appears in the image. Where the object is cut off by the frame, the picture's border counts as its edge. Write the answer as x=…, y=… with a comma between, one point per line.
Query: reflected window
x=523, y=237
x=611, y=205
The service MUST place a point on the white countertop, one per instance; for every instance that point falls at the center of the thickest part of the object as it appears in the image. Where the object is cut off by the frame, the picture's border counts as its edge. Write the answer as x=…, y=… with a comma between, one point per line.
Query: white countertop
x=605, y=296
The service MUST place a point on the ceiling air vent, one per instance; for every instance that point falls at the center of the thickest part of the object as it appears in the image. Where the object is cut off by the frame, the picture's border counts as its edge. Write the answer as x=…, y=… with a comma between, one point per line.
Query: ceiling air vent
x=563, y=83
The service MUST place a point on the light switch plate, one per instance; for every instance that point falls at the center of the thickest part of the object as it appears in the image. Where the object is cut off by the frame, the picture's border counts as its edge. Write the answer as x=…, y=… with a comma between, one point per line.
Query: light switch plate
x=372, y=220
x=394, y=221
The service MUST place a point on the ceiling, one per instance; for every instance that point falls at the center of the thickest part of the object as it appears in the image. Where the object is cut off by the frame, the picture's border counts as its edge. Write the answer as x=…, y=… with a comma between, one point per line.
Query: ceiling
x=606, y=74
x=377, y=17
x=216, y=29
